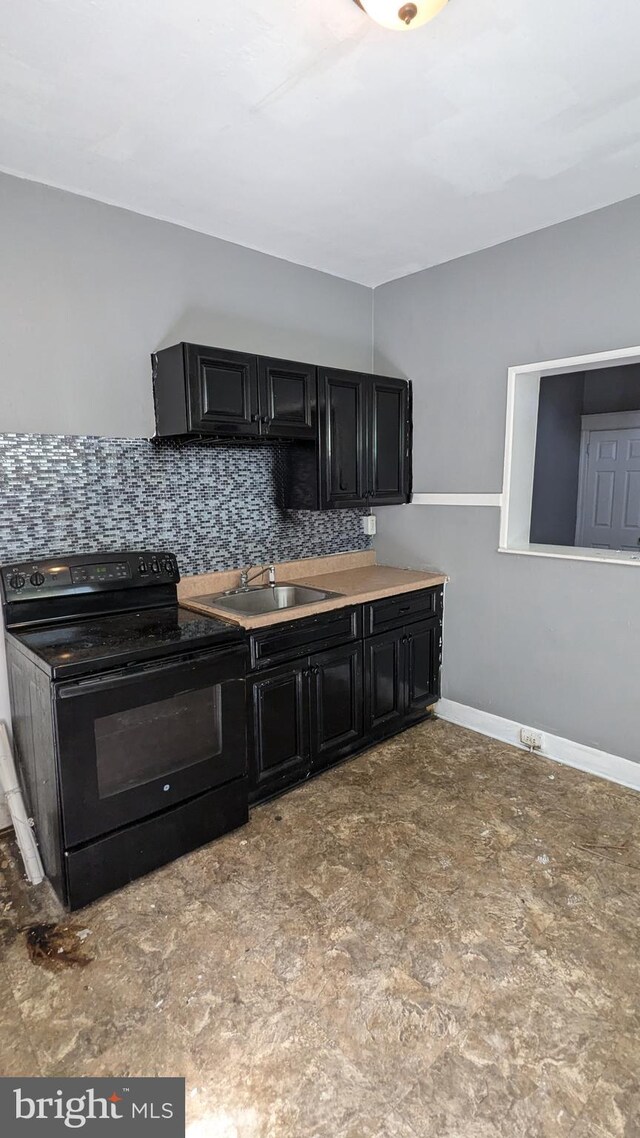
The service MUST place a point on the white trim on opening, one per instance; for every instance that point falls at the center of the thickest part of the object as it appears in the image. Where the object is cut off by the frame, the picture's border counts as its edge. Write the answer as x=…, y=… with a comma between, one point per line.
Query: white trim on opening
x=456, y=499
x=523, y=390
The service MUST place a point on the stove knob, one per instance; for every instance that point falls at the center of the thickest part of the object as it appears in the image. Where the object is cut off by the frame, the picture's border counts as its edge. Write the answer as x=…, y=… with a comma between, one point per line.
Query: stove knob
x=167, y=566
x=16, y=581
x=155, y=568
x=37, y=579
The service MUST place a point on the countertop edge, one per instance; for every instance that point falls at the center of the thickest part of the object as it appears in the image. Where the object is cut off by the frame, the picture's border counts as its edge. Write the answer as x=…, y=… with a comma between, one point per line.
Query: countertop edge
x=265, y=620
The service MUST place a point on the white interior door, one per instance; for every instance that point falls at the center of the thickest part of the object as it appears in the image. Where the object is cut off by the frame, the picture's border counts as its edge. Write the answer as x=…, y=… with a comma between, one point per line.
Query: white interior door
x=609, y=502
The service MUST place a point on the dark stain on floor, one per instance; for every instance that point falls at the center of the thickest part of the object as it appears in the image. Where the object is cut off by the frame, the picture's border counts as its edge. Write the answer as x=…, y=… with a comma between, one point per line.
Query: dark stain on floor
x=57, y=946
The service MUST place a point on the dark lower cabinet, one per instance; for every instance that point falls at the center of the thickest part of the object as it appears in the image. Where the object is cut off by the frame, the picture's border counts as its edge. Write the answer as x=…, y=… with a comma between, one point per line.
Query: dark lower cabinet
x=279, y=747
x=305, y=716
x=337, y=722
x=384, y=696
x=422, y=655
x=315, y=710
x=402, y=676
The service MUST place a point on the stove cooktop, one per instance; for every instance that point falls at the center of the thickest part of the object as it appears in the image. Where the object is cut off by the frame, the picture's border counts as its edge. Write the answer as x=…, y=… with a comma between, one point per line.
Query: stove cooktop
x=83, y=647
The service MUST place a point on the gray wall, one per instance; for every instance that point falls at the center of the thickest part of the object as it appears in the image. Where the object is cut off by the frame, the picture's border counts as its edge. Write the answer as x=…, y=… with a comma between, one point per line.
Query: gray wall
x=612, y=389
x=88, y=291
x=549, y=643
x=554, y=504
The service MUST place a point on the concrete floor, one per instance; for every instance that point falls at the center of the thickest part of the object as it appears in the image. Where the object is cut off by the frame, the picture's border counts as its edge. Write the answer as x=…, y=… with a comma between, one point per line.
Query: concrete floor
x=438, y=939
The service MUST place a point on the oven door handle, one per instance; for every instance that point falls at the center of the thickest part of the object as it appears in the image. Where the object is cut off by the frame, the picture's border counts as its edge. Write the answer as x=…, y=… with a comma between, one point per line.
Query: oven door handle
x=232, y=661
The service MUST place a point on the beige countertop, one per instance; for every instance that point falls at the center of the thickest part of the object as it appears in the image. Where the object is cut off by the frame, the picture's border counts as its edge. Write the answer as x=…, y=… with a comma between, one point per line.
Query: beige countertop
x=356, y=577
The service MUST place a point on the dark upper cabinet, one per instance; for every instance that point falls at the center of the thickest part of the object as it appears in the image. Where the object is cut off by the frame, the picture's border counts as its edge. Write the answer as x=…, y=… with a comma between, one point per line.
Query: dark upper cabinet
x=350, y=433
x=389, y=443
x=287, y=399
x=213, y=391
x=343, y=439
x=222, y=391
x=363, y=455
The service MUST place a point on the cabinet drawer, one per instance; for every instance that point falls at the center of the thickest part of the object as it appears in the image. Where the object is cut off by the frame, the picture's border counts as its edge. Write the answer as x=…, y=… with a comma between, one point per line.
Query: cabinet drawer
x=302, y=637
x=379, y=616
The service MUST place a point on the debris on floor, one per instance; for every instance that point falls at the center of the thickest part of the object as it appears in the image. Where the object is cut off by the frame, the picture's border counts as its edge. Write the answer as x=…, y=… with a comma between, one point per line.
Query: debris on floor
x=57, y=946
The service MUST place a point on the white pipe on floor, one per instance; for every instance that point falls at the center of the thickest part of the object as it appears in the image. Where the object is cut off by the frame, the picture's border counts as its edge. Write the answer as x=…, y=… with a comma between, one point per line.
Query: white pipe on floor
x=21, y=822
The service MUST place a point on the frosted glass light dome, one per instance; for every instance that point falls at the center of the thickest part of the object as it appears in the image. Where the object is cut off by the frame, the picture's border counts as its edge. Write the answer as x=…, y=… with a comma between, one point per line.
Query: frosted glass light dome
x=401, y=17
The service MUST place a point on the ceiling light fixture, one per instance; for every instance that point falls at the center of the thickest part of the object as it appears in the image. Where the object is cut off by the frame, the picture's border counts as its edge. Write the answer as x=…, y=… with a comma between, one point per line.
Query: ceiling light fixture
x=401, y=17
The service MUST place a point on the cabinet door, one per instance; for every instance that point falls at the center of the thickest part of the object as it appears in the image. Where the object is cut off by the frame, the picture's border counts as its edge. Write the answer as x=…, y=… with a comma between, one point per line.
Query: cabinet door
x=287, y=398
x=422, y=648
x=336, y=703
x=279, y=734
x=222, y=391
x=343, y=402
x=389, y=441
x=384, y=684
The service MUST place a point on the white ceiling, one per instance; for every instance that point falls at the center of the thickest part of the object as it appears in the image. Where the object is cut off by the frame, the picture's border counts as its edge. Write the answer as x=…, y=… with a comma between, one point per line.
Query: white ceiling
x=300, y=128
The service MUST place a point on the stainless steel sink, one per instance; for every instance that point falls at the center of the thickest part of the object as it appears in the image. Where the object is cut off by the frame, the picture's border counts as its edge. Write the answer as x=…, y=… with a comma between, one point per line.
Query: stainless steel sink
x=266, y=598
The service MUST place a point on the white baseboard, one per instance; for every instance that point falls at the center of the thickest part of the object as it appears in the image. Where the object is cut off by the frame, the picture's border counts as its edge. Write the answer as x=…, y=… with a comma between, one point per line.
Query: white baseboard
x=589, y=759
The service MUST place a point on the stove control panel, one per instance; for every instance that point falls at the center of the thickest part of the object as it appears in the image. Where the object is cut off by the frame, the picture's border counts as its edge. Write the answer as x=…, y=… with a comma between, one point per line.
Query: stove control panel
x=87, y=573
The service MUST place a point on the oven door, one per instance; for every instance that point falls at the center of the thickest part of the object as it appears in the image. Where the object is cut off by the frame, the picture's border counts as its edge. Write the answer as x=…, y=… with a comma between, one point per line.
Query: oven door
x=136, y=741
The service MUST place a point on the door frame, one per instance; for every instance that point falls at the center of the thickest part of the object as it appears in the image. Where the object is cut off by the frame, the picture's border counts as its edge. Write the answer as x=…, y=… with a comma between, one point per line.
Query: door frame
x=611, y=421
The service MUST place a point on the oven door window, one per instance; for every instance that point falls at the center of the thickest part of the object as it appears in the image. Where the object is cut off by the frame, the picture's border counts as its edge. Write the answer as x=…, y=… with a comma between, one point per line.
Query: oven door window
x=131, y=744
x=139, y=744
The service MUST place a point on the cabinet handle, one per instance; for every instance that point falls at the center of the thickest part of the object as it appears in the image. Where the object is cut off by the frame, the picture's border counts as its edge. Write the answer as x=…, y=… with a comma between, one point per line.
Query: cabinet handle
x=255, y=418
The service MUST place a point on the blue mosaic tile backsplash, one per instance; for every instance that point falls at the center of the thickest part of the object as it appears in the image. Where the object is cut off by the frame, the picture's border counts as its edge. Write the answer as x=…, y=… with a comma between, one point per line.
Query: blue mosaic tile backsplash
x=213, y=505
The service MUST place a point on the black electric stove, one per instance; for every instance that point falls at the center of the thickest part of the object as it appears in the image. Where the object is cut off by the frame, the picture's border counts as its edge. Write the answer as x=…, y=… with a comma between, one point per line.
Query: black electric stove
x=48, y=603
x=128, y=716
x=79, y=648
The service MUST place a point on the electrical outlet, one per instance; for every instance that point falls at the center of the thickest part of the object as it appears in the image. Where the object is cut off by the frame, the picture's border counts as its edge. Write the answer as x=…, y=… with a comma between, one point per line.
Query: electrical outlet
x=369, y=524
x=532, y=739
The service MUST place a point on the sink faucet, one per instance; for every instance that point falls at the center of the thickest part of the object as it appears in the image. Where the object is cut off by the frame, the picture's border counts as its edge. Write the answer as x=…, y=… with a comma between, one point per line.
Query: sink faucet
x=246, y=576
